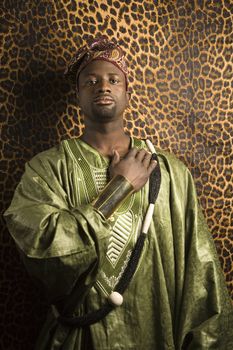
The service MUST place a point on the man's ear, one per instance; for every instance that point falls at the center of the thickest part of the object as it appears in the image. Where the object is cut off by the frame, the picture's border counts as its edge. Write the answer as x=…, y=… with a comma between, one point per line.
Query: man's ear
x=128, y=93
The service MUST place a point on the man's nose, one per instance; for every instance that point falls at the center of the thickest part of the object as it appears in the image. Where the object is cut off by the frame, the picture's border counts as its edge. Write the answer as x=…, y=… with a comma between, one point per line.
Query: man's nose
x=104, y=86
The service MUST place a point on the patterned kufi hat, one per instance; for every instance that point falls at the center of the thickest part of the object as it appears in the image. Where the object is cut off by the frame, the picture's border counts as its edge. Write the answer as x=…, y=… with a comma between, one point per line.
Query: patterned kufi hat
x=97, y=49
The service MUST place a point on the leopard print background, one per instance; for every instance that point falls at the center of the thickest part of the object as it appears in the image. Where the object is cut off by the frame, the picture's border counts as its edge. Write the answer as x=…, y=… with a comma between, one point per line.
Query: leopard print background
x=180, y=54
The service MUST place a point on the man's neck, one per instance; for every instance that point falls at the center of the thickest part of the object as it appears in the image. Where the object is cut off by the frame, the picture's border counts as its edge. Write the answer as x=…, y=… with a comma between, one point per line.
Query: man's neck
x=106, y=139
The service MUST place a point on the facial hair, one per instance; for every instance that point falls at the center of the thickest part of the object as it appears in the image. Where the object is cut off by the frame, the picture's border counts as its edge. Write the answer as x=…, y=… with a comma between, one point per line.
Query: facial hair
x=104, y=113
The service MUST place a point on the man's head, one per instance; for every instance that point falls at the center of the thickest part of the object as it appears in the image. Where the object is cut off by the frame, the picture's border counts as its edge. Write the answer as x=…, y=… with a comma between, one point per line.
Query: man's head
x=97, y=49
x=99, y=72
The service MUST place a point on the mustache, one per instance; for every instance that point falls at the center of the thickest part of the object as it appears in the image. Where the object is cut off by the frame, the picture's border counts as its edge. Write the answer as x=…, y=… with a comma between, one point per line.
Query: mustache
x=103, y=96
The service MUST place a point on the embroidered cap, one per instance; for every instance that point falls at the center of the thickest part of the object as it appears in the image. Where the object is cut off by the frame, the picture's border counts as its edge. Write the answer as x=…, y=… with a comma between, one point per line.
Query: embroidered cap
x=100, y=48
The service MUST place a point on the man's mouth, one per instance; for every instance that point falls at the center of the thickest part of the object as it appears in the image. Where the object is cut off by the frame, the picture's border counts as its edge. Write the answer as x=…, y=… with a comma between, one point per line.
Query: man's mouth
x=103, y=100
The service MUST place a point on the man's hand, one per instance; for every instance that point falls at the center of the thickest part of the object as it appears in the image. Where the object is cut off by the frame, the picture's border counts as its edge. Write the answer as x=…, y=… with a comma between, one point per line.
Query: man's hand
x=136, y=166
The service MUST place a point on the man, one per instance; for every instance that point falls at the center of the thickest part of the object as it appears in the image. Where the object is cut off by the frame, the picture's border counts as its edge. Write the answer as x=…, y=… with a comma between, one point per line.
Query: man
x=76, y=217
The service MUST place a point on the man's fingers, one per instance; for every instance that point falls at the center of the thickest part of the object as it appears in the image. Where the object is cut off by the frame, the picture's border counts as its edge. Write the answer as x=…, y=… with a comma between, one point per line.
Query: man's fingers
x=152, y=165
x=132, y=153
x=146, y=159
x=141, y=154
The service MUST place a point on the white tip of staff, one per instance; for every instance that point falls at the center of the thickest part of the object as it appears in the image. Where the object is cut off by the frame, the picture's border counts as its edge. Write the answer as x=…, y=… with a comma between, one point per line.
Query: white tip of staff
x=150, y=146
x=115, y=298
x=148, y=217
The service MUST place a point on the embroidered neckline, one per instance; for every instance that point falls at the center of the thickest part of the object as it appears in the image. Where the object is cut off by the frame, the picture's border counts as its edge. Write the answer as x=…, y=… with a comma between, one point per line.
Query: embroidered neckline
x=91, y=155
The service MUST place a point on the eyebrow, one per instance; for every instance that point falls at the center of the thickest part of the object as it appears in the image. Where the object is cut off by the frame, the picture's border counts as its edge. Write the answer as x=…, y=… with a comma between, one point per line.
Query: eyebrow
x=89, y=74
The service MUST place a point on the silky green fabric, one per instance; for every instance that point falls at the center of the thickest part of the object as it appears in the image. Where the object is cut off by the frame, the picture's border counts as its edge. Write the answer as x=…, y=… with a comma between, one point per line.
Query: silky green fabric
x=177, y=298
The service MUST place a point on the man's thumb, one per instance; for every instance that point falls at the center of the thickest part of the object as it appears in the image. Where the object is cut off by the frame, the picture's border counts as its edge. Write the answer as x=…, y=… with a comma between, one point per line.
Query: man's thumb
x=115, y=158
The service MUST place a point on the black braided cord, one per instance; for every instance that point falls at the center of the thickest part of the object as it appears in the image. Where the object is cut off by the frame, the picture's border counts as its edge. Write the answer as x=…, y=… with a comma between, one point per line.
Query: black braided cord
x=97, y=315
x=155, y=181
x=131, y=266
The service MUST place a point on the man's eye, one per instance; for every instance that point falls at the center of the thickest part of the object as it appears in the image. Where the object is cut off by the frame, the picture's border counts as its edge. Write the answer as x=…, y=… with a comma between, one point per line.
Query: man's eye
x=114, y=81
x=91, y=82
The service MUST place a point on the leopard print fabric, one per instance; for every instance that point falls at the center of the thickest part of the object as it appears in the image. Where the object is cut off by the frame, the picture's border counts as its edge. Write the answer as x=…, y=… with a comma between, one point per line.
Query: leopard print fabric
x=181, y=76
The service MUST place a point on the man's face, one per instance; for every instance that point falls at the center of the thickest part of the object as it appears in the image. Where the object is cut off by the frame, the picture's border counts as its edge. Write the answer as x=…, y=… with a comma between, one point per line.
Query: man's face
x=102, y=93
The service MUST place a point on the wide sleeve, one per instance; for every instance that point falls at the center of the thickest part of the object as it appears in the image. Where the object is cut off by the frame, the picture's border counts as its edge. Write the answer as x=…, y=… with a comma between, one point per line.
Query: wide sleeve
x=59, y=243
x=205, y=313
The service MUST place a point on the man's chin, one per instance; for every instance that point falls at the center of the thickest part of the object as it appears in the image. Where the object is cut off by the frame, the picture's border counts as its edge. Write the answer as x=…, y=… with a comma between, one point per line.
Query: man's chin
x=104, y=118
x=105, y=114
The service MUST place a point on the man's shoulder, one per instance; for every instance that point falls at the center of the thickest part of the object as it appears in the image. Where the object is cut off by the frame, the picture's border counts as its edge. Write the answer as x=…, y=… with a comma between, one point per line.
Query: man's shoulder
x=165, y=157
x=170, y=158
x=55, y=151
x=53, y=155
x=174, y=173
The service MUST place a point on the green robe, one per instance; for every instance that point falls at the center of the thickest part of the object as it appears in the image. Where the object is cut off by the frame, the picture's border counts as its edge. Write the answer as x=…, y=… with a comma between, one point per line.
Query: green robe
x=177, y=298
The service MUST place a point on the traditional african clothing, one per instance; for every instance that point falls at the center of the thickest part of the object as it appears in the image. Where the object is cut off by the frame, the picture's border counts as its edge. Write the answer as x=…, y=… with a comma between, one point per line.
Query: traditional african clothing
x=177, y=298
